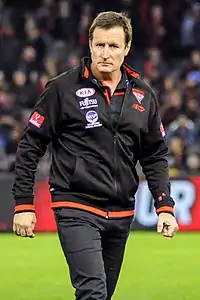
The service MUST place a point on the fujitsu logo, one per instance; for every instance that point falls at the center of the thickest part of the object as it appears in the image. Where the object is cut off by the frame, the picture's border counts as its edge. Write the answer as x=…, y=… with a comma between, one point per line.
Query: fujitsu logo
x=87, y=103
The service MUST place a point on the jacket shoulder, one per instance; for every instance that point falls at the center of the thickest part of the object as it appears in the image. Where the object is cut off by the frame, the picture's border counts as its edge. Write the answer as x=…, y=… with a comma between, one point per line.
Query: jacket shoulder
x=67, y=78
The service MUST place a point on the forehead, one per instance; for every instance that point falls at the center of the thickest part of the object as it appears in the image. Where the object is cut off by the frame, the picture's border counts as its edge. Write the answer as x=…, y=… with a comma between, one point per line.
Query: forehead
x=114, y=34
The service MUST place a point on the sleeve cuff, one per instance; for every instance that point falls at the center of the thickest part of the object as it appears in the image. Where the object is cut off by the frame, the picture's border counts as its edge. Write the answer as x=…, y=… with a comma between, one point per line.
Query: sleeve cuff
x=24, y=208
x=164, y=204
x=165, y=209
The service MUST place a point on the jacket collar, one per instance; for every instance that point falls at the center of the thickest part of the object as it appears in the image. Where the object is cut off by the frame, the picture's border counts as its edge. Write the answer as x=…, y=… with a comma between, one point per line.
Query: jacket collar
x=85, y=69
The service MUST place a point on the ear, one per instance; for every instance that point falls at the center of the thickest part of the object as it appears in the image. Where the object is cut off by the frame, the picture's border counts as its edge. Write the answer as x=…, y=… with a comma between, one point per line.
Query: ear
x=90, y=45
x=127, y=49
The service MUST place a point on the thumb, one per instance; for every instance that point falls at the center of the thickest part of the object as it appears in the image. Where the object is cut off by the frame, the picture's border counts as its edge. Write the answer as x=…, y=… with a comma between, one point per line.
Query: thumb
x=160, y=226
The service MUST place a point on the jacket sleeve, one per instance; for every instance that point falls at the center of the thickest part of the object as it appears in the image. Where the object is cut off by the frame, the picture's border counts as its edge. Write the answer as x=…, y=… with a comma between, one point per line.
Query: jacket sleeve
x=154, y=162
x=38, y=133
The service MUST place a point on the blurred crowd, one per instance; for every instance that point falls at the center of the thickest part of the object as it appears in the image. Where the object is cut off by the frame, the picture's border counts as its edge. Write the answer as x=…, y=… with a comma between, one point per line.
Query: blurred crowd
x=40, y=39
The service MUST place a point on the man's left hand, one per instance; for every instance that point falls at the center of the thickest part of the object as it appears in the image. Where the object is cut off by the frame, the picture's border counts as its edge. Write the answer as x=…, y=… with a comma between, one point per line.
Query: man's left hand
x=167, y=225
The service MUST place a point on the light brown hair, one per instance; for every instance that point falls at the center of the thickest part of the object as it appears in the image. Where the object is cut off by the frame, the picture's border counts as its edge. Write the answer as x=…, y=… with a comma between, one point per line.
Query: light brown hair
x=110, y=19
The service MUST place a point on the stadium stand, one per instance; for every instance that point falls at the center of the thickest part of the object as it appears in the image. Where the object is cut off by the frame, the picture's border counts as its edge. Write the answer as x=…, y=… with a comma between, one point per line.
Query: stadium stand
x=40, y=39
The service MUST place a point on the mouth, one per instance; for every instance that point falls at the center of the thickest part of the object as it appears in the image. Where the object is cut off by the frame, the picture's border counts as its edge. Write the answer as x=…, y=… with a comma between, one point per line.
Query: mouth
x=105, y=63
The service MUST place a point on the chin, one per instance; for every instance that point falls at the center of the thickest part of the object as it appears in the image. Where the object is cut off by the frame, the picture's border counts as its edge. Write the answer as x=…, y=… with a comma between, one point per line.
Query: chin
x=104, y=69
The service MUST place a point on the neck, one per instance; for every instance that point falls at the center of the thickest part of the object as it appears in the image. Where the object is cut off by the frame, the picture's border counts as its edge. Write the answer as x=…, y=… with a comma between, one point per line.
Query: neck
x=112, y=78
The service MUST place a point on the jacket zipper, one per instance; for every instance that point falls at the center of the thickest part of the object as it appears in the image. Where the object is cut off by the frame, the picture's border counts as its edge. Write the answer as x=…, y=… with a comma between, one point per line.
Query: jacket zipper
x=115, y=160
x=114, y=142
x=115, y=166
x=122, y=108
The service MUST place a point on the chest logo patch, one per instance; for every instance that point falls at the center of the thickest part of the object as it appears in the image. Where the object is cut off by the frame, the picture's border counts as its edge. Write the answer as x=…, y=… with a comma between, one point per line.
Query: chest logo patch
x=92, y=119
x=138, y=107
x=87, y=103
x=138, y=94
x=85, y=92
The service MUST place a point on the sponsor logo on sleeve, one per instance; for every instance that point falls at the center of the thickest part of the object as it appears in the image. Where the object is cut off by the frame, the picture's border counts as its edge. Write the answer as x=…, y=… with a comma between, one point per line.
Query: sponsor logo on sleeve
x=162, y=130
x=37, y=119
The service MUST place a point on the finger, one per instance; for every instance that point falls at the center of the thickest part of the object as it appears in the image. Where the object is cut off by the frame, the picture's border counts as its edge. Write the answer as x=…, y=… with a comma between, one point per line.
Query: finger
x=167, y=235
x=168, y=232
x=160, y=227
x=23, y=232
x=17, y=231
x=172, y=231
x=176, y=228
x=33, y=227
x=32, y=236
x=20, y=230
x=165, y=230
x=14, y=227
x=29, y=232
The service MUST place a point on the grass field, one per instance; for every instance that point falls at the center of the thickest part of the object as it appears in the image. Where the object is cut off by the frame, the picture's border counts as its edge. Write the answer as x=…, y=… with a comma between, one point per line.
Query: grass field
x=154, y=268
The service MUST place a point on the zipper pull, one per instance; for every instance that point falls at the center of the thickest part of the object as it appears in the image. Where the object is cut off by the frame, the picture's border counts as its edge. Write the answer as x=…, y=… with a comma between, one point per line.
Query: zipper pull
x=95, y=81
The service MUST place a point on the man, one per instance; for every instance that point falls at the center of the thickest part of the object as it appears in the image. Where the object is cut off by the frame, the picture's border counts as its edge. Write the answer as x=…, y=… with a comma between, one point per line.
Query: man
x=101, y=119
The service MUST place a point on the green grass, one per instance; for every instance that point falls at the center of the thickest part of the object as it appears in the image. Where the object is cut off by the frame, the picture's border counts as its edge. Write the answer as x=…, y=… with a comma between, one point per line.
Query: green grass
x=155, y=268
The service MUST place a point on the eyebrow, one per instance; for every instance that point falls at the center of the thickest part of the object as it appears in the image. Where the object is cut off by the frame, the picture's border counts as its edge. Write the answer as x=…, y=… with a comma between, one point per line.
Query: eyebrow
x=110, y=43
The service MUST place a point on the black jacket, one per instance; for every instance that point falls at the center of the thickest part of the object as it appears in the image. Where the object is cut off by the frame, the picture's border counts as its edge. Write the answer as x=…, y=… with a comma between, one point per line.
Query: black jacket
x=93, y=162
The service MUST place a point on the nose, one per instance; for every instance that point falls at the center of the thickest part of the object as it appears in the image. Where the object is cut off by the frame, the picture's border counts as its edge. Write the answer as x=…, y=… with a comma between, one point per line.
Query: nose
x=105, y=52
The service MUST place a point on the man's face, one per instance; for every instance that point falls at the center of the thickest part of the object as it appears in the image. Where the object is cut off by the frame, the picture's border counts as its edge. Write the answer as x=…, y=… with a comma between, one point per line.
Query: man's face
x=108, y=49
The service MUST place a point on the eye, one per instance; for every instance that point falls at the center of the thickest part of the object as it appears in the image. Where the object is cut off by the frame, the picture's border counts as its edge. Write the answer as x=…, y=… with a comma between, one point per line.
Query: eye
x=100, y=45
x=114, y=46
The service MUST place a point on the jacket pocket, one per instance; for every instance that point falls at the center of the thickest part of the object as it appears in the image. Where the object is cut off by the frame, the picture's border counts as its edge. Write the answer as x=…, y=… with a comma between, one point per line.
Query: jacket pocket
x=128, y=178
x=91, y=177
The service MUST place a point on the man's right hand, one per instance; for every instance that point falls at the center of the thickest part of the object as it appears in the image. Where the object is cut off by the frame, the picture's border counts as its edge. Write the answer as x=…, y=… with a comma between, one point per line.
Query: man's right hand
x=24, y=224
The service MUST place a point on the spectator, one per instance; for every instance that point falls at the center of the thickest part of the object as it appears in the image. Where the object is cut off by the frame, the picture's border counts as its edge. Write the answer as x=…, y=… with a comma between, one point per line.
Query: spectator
x=155, y=31
x=184, y=129
x=28, y=62
x=172, y=108
x=187, y=30
x=196, y=8
x=25, y=93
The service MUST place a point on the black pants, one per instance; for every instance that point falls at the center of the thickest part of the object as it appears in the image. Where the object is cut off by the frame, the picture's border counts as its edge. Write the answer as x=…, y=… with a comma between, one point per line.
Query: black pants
x=94, y=249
